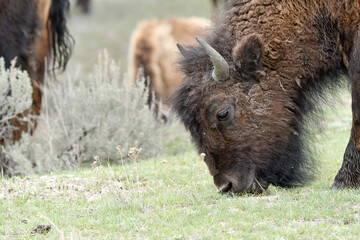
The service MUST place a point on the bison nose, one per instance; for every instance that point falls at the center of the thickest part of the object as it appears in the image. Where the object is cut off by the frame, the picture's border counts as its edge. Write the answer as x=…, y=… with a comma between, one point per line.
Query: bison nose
x=222, y=183
x=225, y=188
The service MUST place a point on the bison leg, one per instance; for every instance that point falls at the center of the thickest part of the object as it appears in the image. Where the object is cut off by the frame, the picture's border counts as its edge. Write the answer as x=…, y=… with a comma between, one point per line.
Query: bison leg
x=349, y=173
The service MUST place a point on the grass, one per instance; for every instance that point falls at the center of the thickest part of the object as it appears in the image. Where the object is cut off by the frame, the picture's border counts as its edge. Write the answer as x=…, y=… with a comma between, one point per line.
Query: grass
x=172, y=196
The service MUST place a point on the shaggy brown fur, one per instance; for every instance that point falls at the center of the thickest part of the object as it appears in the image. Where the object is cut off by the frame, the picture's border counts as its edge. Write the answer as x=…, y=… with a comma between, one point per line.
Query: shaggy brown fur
x=281, y=55
x=31, y=31
x=153, y=48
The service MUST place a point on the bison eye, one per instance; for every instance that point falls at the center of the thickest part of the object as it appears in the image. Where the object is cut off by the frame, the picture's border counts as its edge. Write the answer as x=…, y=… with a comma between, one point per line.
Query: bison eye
x=223, y=114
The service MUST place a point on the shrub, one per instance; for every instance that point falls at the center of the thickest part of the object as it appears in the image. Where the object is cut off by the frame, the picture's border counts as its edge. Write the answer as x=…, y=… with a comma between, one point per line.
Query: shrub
x=15, y=98
x=88, y=117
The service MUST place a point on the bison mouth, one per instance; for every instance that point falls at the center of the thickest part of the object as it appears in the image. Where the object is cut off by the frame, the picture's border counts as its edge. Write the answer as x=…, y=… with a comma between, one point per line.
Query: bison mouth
x=235, y=173
x=240, y=185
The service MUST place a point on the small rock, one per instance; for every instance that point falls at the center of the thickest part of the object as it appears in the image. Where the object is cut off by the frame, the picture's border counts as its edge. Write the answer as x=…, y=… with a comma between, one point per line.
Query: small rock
x=40, y=229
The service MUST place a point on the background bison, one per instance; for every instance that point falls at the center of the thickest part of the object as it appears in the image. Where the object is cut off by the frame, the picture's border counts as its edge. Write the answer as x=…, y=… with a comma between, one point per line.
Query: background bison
x=32, y=31
x=153, y=50
x=249, y=86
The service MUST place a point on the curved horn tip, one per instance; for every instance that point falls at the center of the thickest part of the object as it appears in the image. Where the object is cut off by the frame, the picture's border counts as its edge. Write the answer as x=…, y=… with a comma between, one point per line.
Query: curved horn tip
x=221, y=72
x=182, y=50
x=200, y=40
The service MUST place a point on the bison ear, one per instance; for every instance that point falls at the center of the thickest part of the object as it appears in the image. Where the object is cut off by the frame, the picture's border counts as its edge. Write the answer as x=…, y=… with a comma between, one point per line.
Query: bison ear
x=247, y=53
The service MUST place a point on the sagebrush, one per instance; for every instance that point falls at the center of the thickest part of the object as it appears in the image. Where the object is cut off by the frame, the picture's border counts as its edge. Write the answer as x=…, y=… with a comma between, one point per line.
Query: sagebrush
x=15, y=98
x=84, y=117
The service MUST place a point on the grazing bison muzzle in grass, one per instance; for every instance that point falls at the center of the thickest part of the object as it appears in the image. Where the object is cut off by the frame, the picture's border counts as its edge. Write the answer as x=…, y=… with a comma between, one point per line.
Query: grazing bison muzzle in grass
x=250, y=84
x=32, y=31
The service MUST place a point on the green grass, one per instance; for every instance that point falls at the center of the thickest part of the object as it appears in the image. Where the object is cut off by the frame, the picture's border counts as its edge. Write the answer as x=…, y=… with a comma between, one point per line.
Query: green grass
x=173, y=197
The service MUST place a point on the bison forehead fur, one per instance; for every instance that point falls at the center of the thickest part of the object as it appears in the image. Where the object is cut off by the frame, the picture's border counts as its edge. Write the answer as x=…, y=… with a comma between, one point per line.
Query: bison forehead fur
x=281, y=55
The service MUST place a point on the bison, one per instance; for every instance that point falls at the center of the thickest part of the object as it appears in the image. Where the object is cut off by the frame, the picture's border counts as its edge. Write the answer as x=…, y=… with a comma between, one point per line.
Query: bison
x=153, y=49
x=32, y=31
x=250, y=84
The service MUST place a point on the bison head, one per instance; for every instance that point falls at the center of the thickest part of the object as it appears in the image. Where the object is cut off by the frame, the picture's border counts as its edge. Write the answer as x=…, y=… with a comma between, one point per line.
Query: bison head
x=228, y=102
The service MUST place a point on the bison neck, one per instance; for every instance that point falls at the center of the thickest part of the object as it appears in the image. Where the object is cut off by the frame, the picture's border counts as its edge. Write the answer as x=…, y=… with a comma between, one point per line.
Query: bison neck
x=289, y=102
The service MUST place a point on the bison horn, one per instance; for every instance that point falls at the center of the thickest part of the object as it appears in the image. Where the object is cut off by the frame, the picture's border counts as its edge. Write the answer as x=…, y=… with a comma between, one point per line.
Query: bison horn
x=221, y=70
x=182, y=50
